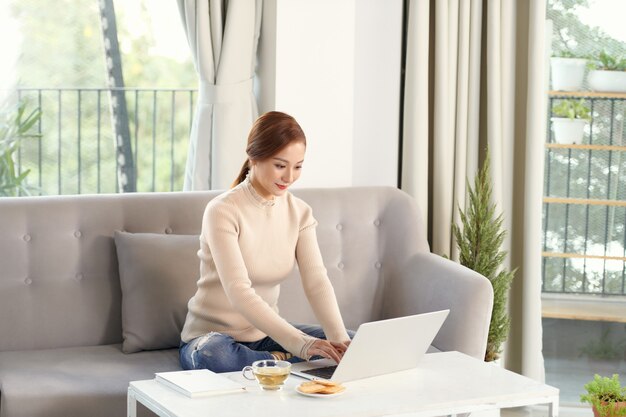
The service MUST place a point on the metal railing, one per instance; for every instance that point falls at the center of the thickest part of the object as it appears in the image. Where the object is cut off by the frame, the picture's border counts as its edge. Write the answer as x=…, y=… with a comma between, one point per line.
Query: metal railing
x=584, y=211
x=584, y=236
x=76, y=152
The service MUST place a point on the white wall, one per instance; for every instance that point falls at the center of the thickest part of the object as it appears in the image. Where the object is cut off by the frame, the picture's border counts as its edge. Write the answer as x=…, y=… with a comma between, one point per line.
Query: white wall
x=378, y=53
x=335, y=66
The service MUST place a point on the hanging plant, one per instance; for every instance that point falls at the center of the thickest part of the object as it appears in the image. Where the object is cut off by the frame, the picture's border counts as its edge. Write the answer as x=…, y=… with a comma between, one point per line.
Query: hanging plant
x=569, y=121
x=607, y=73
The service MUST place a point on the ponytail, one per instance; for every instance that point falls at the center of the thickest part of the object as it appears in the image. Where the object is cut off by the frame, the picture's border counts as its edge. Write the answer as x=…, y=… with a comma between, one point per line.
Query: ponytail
x=242, y=174
x=270, y=133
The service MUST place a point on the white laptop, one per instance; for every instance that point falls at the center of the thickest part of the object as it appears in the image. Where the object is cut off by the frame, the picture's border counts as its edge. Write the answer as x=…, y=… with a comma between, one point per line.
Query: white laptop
x=378, y=348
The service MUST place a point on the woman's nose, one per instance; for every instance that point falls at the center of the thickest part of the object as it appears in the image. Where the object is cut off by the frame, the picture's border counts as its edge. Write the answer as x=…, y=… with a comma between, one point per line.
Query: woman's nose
x=288, y=176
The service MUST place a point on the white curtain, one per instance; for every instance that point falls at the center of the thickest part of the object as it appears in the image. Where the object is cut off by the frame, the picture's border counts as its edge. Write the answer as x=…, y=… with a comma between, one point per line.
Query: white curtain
x=475, y=78
x=223, y=37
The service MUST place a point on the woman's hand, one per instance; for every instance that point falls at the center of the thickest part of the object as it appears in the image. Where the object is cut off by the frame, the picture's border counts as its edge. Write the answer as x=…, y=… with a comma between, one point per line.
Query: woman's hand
x=330, y=350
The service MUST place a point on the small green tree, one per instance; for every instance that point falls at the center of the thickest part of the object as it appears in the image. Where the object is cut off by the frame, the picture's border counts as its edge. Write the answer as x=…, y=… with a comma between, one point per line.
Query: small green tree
x=479, y=241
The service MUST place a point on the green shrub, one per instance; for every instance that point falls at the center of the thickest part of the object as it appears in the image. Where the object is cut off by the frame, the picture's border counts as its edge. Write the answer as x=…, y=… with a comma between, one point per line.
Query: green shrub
x=15, y=126
x=602, y=393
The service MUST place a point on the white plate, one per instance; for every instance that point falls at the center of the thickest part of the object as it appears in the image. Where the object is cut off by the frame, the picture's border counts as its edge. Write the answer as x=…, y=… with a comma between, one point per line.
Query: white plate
x=306, y=394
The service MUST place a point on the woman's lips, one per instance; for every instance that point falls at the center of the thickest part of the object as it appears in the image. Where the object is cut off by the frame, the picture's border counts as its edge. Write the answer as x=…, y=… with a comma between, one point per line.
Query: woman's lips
x=282, y=187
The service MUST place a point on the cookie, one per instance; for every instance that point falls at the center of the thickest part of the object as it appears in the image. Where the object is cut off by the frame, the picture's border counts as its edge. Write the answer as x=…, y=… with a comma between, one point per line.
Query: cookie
x=321, y=387
x=332, y=389
x=326, y=383
x=311, y=387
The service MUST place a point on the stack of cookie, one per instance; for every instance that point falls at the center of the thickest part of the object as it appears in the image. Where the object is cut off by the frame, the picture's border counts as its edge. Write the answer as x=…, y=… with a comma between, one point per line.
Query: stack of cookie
x=321, y=387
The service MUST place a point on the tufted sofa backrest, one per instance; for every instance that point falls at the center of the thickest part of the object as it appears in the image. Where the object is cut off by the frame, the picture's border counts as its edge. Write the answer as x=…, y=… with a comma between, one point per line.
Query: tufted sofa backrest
x=365, y=235
x=59, y=280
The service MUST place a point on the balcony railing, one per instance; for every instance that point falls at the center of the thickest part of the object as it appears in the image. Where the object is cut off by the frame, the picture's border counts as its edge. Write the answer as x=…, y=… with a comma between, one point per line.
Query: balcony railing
x=76, y=152
x=585, y=185
x=584, y=209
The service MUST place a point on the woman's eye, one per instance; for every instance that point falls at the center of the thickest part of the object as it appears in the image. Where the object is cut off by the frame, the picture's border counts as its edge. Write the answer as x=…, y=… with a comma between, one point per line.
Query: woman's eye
x=279, y=166
x=300, y=167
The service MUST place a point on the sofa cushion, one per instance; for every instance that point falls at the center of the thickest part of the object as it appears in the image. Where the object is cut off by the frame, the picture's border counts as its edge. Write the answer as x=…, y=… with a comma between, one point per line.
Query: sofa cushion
x=158, y=275
x=81, y=381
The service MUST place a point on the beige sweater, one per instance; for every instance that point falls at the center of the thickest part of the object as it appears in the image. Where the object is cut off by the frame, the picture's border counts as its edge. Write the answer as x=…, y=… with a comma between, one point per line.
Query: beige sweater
x=247, y=249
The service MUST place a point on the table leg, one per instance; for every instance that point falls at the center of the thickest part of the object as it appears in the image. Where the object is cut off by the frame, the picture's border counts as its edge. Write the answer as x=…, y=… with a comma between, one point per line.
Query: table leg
x=131, y=404
x=553, y=408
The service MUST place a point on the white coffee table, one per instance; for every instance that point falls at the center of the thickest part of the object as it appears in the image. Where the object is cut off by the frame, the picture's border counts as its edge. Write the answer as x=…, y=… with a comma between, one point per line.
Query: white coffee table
x=443, y=384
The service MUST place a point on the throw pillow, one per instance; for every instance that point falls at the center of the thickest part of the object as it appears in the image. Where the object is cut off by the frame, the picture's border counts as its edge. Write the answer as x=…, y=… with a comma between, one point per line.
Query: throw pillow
x=158, y=275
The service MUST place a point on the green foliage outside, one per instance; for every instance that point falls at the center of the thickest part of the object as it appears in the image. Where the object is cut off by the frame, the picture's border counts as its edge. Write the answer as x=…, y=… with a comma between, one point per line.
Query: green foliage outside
x=566, y=53
x=603, y=393
x=573, y=38
x=572, y=109
x=585, y=174
x=479, y=240
x=16, y=125
x=62, y=47
x=604, y=348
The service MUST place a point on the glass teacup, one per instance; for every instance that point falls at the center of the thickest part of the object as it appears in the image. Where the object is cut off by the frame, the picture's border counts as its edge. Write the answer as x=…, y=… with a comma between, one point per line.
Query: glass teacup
x=270, y=374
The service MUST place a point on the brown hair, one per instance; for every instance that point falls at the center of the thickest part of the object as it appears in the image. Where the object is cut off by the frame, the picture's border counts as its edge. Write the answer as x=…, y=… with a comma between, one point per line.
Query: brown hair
x=269, y=134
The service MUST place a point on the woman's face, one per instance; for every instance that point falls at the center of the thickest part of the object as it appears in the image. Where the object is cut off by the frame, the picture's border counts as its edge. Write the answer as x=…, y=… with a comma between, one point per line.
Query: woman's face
x=271, y=177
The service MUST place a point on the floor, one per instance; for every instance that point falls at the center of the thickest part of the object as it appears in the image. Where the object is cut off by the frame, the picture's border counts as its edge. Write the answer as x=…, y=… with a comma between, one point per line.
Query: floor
x=538, y=411
x=570, y=376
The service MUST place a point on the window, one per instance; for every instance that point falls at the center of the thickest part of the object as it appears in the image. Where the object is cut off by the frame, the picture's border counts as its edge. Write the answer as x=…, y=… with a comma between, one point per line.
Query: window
x=584, y=268
x=58, y=64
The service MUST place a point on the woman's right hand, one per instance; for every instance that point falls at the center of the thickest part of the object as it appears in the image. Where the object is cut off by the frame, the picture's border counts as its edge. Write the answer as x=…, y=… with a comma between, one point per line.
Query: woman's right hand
x=326, y=349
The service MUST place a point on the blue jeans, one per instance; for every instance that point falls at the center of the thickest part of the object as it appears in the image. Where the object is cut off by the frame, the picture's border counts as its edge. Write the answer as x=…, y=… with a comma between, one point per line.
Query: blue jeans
x=221, y=353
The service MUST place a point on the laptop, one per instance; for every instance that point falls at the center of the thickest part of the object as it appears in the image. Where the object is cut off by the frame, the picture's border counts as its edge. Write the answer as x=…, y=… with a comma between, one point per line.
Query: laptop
x=379, y=348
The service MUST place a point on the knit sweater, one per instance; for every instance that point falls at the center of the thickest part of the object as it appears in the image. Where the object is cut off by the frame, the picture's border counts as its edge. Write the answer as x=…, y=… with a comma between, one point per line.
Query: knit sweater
x=247, y=248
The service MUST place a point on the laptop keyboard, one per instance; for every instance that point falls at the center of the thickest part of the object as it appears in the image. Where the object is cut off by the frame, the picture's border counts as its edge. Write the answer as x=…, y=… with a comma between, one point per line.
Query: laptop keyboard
x=325, y=372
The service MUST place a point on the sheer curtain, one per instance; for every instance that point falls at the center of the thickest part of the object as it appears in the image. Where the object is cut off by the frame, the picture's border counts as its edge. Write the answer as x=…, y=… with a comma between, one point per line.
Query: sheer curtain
x=223, y=37
x=474, y=78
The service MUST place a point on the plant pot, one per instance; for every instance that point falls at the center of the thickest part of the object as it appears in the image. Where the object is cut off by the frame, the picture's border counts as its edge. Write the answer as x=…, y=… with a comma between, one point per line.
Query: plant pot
x=613, y=411
x=567, y=73
x=613, y=81
x=568, y=131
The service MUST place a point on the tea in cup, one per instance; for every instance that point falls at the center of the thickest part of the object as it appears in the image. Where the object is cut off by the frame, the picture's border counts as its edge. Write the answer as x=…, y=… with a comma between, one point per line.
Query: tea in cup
x=270, y=374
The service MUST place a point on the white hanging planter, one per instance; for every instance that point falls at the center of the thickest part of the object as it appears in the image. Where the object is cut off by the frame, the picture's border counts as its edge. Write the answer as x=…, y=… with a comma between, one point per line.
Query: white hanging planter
x=567, y=73
x=568, y=131
x=608, y=81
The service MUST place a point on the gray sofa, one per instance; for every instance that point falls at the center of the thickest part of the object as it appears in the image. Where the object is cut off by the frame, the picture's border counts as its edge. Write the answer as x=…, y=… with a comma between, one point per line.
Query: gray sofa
x=93, y=289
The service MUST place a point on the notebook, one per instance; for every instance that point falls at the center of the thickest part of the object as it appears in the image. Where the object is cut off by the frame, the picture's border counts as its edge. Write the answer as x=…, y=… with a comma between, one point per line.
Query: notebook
x=198, y=383
x=379, y=348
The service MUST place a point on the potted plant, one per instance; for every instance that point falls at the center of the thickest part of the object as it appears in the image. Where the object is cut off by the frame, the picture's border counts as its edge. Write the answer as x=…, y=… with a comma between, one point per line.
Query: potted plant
x=608, y=73
x=479, y=243
x=569, y=119
x=568, y=71
x=606, y=396
x=15, y=126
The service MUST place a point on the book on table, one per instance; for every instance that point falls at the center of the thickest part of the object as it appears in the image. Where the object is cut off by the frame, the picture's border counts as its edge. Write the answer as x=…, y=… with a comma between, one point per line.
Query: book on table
x=199, y=383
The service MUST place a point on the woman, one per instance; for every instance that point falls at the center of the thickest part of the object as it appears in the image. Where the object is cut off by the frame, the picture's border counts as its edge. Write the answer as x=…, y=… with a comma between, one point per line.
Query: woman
x=249, y=237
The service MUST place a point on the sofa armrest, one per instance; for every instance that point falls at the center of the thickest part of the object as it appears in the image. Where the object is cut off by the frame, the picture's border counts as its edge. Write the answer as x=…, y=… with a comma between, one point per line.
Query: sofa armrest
x=428, y=282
